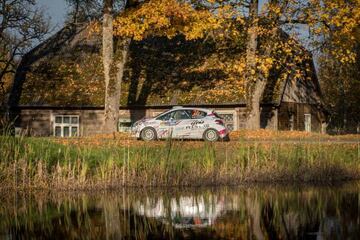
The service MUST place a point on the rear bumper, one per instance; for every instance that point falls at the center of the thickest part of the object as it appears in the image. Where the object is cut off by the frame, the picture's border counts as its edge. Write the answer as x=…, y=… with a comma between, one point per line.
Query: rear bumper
x=224, y=133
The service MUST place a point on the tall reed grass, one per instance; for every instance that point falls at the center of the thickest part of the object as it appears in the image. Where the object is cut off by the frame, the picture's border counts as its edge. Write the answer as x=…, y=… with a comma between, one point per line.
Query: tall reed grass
x=41, y=163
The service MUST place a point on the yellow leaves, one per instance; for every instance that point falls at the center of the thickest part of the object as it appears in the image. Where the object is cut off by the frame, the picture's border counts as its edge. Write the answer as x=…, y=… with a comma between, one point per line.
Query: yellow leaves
x=298, y=74
x=165, y=18
x=228, y=88
x=94, y=28
x=240, y=20
x=263, y=64
x=336, y=22
x=269, y=60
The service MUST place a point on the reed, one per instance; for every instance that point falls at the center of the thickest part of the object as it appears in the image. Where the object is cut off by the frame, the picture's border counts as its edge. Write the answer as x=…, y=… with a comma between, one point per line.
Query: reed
x=42, y=163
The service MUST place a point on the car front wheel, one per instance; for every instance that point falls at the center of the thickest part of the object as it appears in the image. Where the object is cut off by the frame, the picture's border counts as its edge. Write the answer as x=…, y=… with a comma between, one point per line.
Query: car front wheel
x=148, y=134
x=211, y=135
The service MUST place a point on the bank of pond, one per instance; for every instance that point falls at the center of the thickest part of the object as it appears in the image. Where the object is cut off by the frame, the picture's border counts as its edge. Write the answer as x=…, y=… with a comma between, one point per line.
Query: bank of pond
x=42, y=163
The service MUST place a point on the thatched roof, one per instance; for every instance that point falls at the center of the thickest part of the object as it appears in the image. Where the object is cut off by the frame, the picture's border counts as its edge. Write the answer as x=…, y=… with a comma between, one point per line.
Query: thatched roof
x=66, y=70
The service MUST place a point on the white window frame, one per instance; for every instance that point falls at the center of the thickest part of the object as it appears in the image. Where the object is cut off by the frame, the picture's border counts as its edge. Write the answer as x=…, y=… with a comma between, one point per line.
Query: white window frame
x=234, y=113
x=292, y=122
x=305, y=117
x=62, y=124
x=124, y=129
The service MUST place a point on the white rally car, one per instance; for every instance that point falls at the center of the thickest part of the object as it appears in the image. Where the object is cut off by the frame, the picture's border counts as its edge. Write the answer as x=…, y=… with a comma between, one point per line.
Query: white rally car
x=182, y=123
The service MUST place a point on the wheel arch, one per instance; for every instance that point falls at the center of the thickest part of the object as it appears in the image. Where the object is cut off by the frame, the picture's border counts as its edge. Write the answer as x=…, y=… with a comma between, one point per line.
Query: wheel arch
x=149, y=127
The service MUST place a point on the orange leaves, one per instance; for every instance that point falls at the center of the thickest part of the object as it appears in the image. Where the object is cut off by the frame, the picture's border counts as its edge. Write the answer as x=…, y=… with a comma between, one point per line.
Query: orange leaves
x=336, y=22
x=164, y=18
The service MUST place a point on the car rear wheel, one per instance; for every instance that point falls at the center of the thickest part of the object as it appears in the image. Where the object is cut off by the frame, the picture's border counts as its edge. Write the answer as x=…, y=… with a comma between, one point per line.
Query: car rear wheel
x=211, y=135
x=148, y=134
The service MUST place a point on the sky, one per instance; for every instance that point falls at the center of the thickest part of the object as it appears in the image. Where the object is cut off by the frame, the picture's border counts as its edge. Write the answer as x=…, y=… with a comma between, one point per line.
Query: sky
x=56, y=10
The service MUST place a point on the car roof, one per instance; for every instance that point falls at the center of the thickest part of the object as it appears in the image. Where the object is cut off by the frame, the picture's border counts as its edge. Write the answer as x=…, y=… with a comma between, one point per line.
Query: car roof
x=192, y=108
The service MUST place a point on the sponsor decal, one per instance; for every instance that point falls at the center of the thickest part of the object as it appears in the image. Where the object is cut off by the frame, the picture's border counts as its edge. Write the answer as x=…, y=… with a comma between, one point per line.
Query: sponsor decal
x=197, y=126
x=169, y=123
x=197, y=122
x=174, y=123
x=162, y=132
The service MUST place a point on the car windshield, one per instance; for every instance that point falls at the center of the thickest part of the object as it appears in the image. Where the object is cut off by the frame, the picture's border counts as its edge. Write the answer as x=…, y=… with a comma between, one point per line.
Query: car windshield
x=161, y=114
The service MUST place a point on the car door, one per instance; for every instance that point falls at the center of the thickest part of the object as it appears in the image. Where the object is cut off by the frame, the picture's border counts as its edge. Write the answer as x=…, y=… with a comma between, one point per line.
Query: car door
x=165, y=123
x=198, y=123
x=182, y=119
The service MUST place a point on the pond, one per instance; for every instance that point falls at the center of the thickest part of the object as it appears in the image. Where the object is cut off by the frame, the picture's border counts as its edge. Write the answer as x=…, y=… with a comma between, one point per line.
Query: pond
x=253, y=212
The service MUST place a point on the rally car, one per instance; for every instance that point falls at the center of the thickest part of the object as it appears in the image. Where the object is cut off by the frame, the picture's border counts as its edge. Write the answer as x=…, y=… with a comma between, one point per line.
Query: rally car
x=182, y=123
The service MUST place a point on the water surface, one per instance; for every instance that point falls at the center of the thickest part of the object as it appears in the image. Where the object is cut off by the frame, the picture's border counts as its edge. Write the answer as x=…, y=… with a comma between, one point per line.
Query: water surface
x=257, y=212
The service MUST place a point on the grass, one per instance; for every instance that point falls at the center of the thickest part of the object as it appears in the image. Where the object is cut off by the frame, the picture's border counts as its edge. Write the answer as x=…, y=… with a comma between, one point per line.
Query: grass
x=113, y=162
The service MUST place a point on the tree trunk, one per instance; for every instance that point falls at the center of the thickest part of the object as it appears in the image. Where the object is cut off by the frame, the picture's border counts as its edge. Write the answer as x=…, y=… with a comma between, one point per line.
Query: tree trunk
x=254, y=87
x=108, y=52
x=255, y=81
x=113, y=89
x=253, y=105
x=253, y=208
x=114, y=66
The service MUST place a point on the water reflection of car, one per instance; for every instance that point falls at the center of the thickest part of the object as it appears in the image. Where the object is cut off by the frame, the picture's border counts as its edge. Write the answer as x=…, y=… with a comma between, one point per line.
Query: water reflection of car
x=183, y=212
x=182, y=123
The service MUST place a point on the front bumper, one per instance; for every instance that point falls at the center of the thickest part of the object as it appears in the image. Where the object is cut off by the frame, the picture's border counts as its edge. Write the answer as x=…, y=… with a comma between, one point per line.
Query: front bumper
x=135, y=130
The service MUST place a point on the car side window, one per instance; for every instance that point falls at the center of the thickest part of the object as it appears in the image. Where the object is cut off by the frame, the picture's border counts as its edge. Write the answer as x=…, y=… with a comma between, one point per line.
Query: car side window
x=181, y=114
x=165, y=117
x=197, y=114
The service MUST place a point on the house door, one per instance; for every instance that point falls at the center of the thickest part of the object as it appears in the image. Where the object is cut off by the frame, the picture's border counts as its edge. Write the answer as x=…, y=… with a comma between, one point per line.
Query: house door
x=307, y=122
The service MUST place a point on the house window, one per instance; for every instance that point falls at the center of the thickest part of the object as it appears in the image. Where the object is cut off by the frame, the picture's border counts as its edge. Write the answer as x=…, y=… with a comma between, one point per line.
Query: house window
x=228, y=119
x=66, y=126
x=291, y=122
x=124, y=125
x=307, y=122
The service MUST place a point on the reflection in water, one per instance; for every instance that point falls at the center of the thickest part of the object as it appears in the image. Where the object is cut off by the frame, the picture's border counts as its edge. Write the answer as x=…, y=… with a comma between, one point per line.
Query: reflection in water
x=212, y=213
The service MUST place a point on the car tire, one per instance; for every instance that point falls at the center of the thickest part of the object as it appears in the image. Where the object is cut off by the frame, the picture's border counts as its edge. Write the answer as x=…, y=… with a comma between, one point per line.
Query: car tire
x=148, y=134
x=226, y=138
x=211, y=135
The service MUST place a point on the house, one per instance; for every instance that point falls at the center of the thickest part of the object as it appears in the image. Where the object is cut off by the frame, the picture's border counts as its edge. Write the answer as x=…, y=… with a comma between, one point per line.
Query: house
x=59, y=89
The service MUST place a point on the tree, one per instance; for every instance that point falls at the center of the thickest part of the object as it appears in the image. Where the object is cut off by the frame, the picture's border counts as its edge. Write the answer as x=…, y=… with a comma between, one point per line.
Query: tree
x=137, y=20
x=340, y=83
x=5, y=83
x=21, y=25
x=114, y=60
x=336, y=32
x=83, y=10
x=331, y=25
x=254, y=86
x=268, y=48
